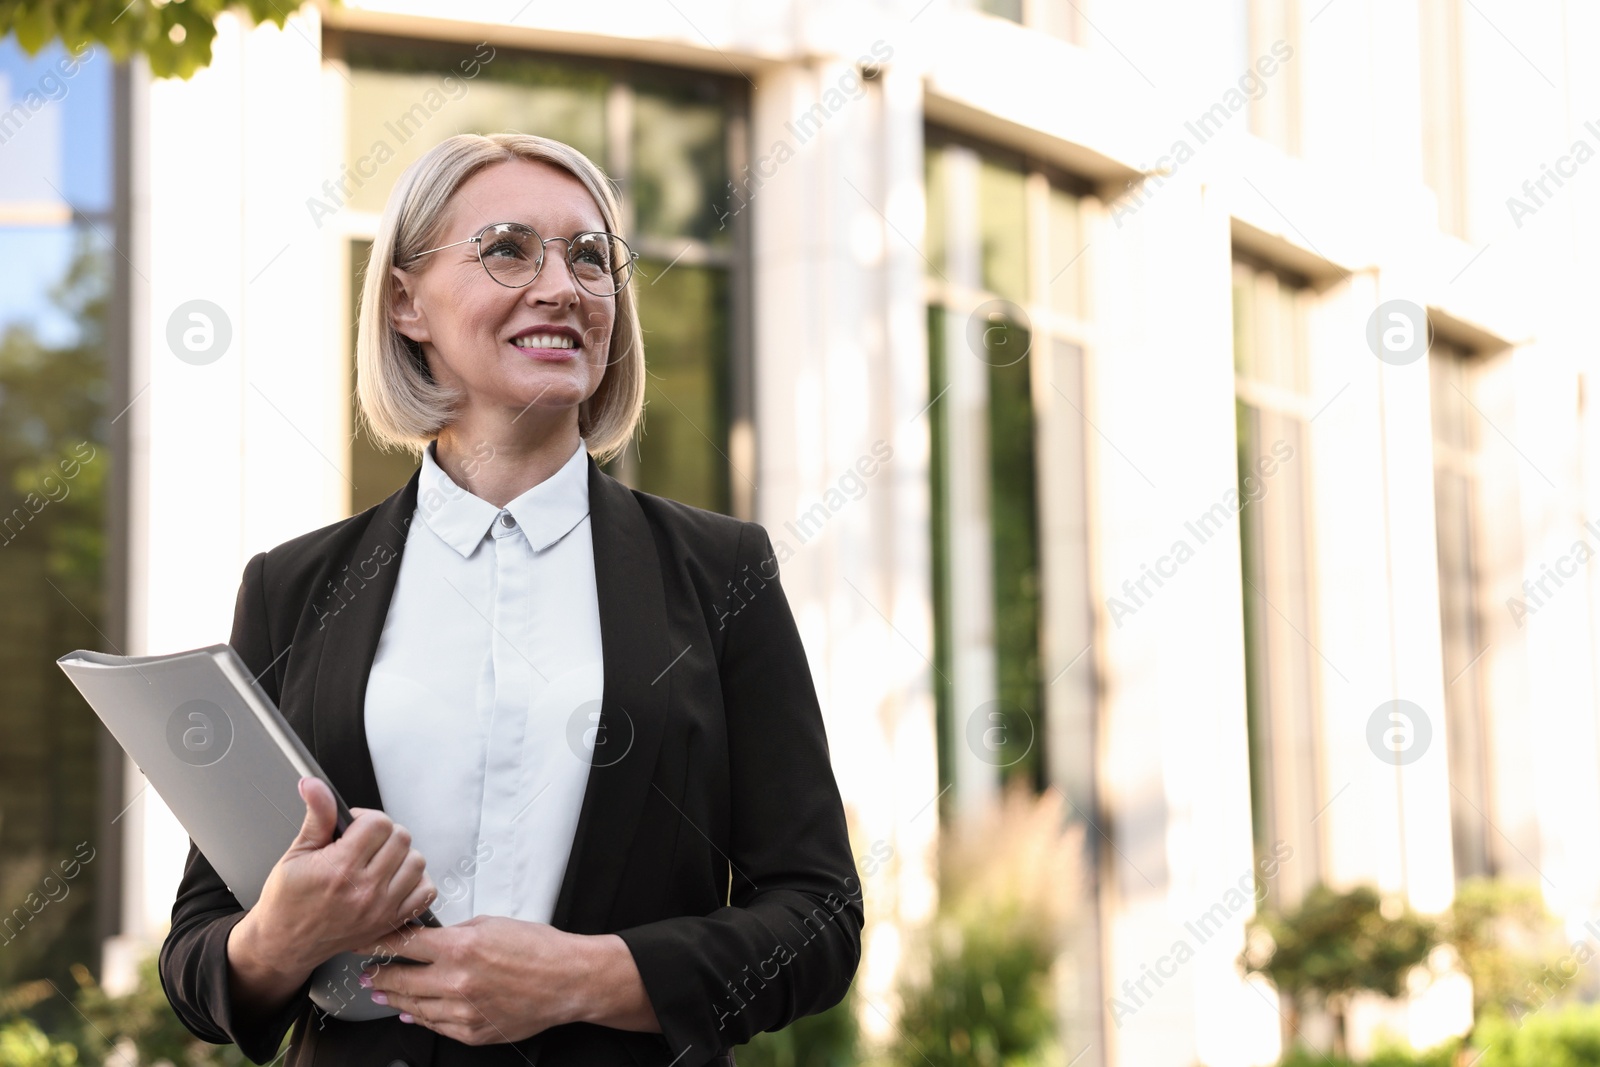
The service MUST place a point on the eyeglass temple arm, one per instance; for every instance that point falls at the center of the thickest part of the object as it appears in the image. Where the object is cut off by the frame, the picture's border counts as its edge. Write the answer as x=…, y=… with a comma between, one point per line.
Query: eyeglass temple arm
x=441, y=248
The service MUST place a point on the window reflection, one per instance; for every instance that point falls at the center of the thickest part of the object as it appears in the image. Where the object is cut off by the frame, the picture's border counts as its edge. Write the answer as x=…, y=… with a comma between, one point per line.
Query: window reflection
x=56, y=276
x=682, y=449
x=991, y=214
x=1281, y=669
x=404, y=99
x=679, y=154
x=1480, y=564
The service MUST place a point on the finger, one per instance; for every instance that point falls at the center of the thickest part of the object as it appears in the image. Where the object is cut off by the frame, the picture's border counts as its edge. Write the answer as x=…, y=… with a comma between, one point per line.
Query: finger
x=322, y=813
x=367, y=833
x=385, y=864
x=417, y=1003
x=409, y=883
x=415, y=981
x=414, y=942
x=419, y=900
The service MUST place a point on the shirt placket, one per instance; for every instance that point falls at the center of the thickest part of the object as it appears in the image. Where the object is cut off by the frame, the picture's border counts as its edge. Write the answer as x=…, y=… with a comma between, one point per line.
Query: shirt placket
x=511, y=613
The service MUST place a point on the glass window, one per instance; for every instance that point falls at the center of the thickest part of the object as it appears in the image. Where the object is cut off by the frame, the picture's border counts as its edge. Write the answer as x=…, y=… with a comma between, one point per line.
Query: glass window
x=58, y=276
x=1005, y=336
x=665, y=138
x=1281, y=663
x=1014, y=530
x=683, y=442
x=1066, y=242
x=680, y=151
x=1476, y=558
x=1003, y=229
x=406, y=97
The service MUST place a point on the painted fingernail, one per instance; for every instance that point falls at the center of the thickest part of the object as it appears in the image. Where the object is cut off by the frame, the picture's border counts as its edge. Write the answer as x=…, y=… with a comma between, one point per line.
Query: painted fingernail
x=366, y=981
x=405, y=1017
x=379, y=998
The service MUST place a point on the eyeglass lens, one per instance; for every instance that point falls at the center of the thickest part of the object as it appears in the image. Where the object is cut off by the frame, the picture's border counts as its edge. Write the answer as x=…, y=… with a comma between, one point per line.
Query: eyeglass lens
x=600, y=262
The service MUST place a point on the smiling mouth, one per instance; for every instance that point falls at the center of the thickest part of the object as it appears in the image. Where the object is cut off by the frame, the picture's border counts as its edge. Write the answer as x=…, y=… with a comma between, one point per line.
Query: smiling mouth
x=545, y=341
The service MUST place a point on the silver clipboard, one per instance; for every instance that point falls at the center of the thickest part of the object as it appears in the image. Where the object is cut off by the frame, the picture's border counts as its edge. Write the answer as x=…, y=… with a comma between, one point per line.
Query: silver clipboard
x=220, y=754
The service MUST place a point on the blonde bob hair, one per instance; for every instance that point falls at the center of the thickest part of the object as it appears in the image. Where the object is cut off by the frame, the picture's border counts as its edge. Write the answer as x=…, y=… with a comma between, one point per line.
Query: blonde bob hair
x=401, y=404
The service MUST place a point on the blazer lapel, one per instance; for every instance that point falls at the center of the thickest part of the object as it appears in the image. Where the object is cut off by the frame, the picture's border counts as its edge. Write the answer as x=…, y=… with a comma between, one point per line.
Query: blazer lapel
x=350, y=643
x=633, y=706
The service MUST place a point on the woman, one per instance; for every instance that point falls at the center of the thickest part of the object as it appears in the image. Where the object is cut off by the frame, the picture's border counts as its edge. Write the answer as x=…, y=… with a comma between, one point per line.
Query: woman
x=588, y=707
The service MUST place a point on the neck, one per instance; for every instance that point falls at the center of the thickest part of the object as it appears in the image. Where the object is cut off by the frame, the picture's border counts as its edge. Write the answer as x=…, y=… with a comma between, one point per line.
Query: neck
x=498, y=461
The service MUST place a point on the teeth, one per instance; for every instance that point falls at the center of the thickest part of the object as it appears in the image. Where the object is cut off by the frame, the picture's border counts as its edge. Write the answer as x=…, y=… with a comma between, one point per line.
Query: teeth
x=543, y=340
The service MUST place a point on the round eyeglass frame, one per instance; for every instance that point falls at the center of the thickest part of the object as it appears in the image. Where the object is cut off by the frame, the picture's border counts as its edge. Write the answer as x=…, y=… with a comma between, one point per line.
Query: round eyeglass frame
x=477, y=239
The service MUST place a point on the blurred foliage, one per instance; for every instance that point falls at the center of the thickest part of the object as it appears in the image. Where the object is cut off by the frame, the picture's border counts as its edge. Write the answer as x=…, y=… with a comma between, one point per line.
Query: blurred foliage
x=827, y=1039
x=983, y=997
x=1391, y=1055
x=986, y=1002
x=1568, y=1038
x=174, y=35
x=22, y=1044
x=1505, y=940
x=145, y=1017
x=52, y=412
x=140, y=1021
x=1333, y=945
x=54, y=468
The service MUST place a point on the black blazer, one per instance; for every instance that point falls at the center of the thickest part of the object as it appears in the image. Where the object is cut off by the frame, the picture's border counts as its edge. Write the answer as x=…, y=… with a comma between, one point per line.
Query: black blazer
x=728, y=768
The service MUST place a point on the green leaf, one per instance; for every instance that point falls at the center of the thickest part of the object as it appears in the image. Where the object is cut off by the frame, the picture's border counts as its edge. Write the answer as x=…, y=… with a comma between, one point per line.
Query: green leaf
x=124, y=28
x=35, y=25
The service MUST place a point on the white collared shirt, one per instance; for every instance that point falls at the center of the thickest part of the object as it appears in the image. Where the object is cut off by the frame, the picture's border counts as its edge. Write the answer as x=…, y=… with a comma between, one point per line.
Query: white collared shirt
x=485, y=689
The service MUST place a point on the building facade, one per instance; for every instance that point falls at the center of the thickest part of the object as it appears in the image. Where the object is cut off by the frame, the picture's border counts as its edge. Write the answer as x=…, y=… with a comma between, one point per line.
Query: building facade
x=1181, y=407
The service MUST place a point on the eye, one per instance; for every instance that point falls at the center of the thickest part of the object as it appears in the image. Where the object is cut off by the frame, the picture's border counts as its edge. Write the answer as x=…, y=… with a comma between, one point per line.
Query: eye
x=506, y=242
x=504, y=247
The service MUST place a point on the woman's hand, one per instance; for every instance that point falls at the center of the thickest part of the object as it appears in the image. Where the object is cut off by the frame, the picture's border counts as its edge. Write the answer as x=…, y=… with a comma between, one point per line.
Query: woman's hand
x=325, y=897
x=494, y=979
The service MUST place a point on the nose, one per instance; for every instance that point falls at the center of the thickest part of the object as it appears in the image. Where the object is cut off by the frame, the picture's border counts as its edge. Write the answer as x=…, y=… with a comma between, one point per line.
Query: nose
x=556, y=275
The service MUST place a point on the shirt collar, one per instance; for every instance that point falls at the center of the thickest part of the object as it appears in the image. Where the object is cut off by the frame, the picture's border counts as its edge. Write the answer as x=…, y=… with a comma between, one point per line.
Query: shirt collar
x=544, y=514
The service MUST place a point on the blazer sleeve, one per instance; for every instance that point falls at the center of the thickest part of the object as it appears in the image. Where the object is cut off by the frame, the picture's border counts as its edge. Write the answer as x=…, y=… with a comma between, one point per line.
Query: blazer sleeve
x=194, y=957
x=789, y=943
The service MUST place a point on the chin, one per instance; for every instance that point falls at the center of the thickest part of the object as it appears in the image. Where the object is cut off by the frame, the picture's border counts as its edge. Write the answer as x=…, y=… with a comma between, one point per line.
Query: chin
x=553, y=396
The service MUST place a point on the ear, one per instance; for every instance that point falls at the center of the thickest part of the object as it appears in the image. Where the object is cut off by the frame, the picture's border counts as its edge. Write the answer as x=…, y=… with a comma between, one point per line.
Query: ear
x=405, y=314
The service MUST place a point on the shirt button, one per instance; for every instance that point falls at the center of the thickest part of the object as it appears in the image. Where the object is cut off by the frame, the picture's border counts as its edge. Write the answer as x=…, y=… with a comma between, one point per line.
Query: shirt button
x=507, y=519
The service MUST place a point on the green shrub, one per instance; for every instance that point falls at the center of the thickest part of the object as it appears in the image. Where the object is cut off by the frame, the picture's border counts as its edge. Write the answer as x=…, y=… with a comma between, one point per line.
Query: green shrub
x=142, y=1016
x=145, y=1016
x=1566, y=1038
x=1384, y=1055
x=1506, y=942
x=1009, y=883
x=1401, y=1056
x=987, y=1003
x=1333, y=945
x=22, y=1044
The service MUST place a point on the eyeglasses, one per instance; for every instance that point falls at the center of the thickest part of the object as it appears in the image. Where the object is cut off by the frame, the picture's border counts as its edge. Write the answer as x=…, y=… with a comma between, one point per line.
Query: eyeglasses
x=513, y=254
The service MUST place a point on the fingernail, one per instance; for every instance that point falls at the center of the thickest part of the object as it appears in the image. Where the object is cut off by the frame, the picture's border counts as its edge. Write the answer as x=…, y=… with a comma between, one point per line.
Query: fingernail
x=379, y=998
x=405, y=1017
x=366, y=981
